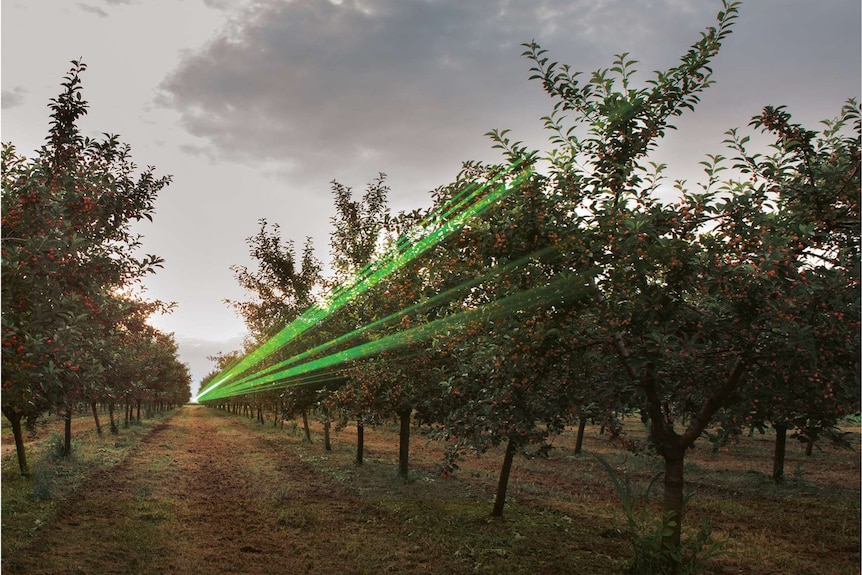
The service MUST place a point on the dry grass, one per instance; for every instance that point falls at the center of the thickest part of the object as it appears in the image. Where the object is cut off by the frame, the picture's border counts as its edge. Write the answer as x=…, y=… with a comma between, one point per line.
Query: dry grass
x=564, y=509
x=218, y=493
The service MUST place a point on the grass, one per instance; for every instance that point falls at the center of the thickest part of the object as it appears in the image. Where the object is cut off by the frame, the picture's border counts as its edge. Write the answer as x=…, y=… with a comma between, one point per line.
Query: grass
x=29, y=503
x=562, y=514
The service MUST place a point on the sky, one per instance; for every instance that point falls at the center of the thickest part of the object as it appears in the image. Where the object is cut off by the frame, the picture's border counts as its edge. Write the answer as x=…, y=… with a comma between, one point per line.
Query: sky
x=255, y=106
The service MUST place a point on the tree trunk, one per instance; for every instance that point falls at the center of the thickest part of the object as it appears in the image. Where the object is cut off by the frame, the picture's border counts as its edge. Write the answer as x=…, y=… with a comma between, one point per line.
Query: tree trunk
x=674, y=460
x=114, y=429
x=67, y=433
x=404, y=443
x=305, y=426
x=670, y=445
x=809, y=445
x=127, y=407
x=579, y=442
x=96, y=418
x=360, y=442
x=503, y=483
x=327, y=443
x=15, y=420
x=138, y=402
x=778, y=454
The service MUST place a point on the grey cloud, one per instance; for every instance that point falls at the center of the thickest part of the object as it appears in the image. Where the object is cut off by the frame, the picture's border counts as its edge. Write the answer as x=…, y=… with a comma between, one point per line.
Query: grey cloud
x=93, y=9
x=413, y=84
x=193, y=150
x=12, y=98
x=218, y=4
x=101, y=12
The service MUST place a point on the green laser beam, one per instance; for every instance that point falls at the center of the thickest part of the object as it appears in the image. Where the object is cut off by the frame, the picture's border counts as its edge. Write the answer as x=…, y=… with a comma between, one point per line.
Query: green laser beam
x=557, y=290
x=446, y=221
x=441, y=298
x=393, y=263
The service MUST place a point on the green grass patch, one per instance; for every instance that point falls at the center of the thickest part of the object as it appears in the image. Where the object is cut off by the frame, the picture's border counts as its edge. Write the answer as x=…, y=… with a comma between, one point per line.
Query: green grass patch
x=28, y=503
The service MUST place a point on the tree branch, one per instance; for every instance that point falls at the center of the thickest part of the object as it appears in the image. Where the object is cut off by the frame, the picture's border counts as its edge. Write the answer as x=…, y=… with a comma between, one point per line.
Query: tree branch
x=658, y=423
x=711, y=405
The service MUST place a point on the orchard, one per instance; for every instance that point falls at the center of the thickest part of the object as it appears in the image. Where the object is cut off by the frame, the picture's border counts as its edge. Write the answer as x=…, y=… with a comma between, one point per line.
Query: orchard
x=586, y=292
x=560, y=287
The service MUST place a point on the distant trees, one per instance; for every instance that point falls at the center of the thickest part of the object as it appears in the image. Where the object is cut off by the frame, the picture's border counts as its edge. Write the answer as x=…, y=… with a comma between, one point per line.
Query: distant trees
x=282, y=287
x=68, y=259
x=283, y=284
x=359, y=229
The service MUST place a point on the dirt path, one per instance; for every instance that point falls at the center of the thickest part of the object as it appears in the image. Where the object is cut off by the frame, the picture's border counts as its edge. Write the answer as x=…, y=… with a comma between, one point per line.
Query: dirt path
x=205, y=494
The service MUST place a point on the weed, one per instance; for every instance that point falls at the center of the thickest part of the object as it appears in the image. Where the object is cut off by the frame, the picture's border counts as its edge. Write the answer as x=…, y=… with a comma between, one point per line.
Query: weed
x=42, y=481
x=650, y=555
x=798, y=472
x=144, y=491
x=55, y=448
x=48, y=471
x=292, y=428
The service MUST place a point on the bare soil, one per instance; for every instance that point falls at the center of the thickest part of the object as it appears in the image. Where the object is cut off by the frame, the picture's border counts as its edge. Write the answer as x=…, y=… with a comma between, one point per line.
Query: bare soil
x=208, y=492
x=206, y=495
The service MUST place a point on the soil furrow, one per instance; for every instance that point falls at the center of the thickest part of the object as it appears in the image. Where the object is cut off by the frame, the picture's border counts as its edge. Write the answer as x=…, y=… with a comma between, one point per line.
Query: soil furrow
x=204, y=494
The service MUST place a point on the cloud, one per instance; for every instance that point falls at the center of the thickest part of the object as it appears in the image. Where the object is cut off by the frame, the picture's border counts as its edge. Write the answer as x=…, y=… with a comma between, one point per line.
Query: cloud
x=218, y=4
x=13, y=97
x=100, y=12
x=311, y=90
x=196, y=353
x=367, y=86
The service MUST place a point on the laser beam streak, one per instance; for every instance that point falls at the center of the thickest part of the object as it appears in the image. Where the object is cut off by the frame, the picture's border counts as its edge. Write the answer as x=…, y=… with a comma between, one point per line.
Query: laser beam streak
x=436, y=227
x=559, y=290
x=439, y=299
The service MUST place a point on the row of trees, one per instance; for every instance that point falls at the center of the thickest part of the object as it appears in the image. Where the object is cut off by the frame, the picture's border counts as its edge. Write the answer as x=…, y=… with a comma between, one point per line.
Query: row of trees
x=74, y=330
x=596, y=288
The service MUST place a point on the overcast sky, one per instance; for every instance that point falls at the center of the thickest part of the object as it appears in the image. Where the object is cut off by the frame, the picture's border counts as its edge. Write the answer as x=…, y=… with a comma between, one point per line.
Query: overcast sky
x=255, y=107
